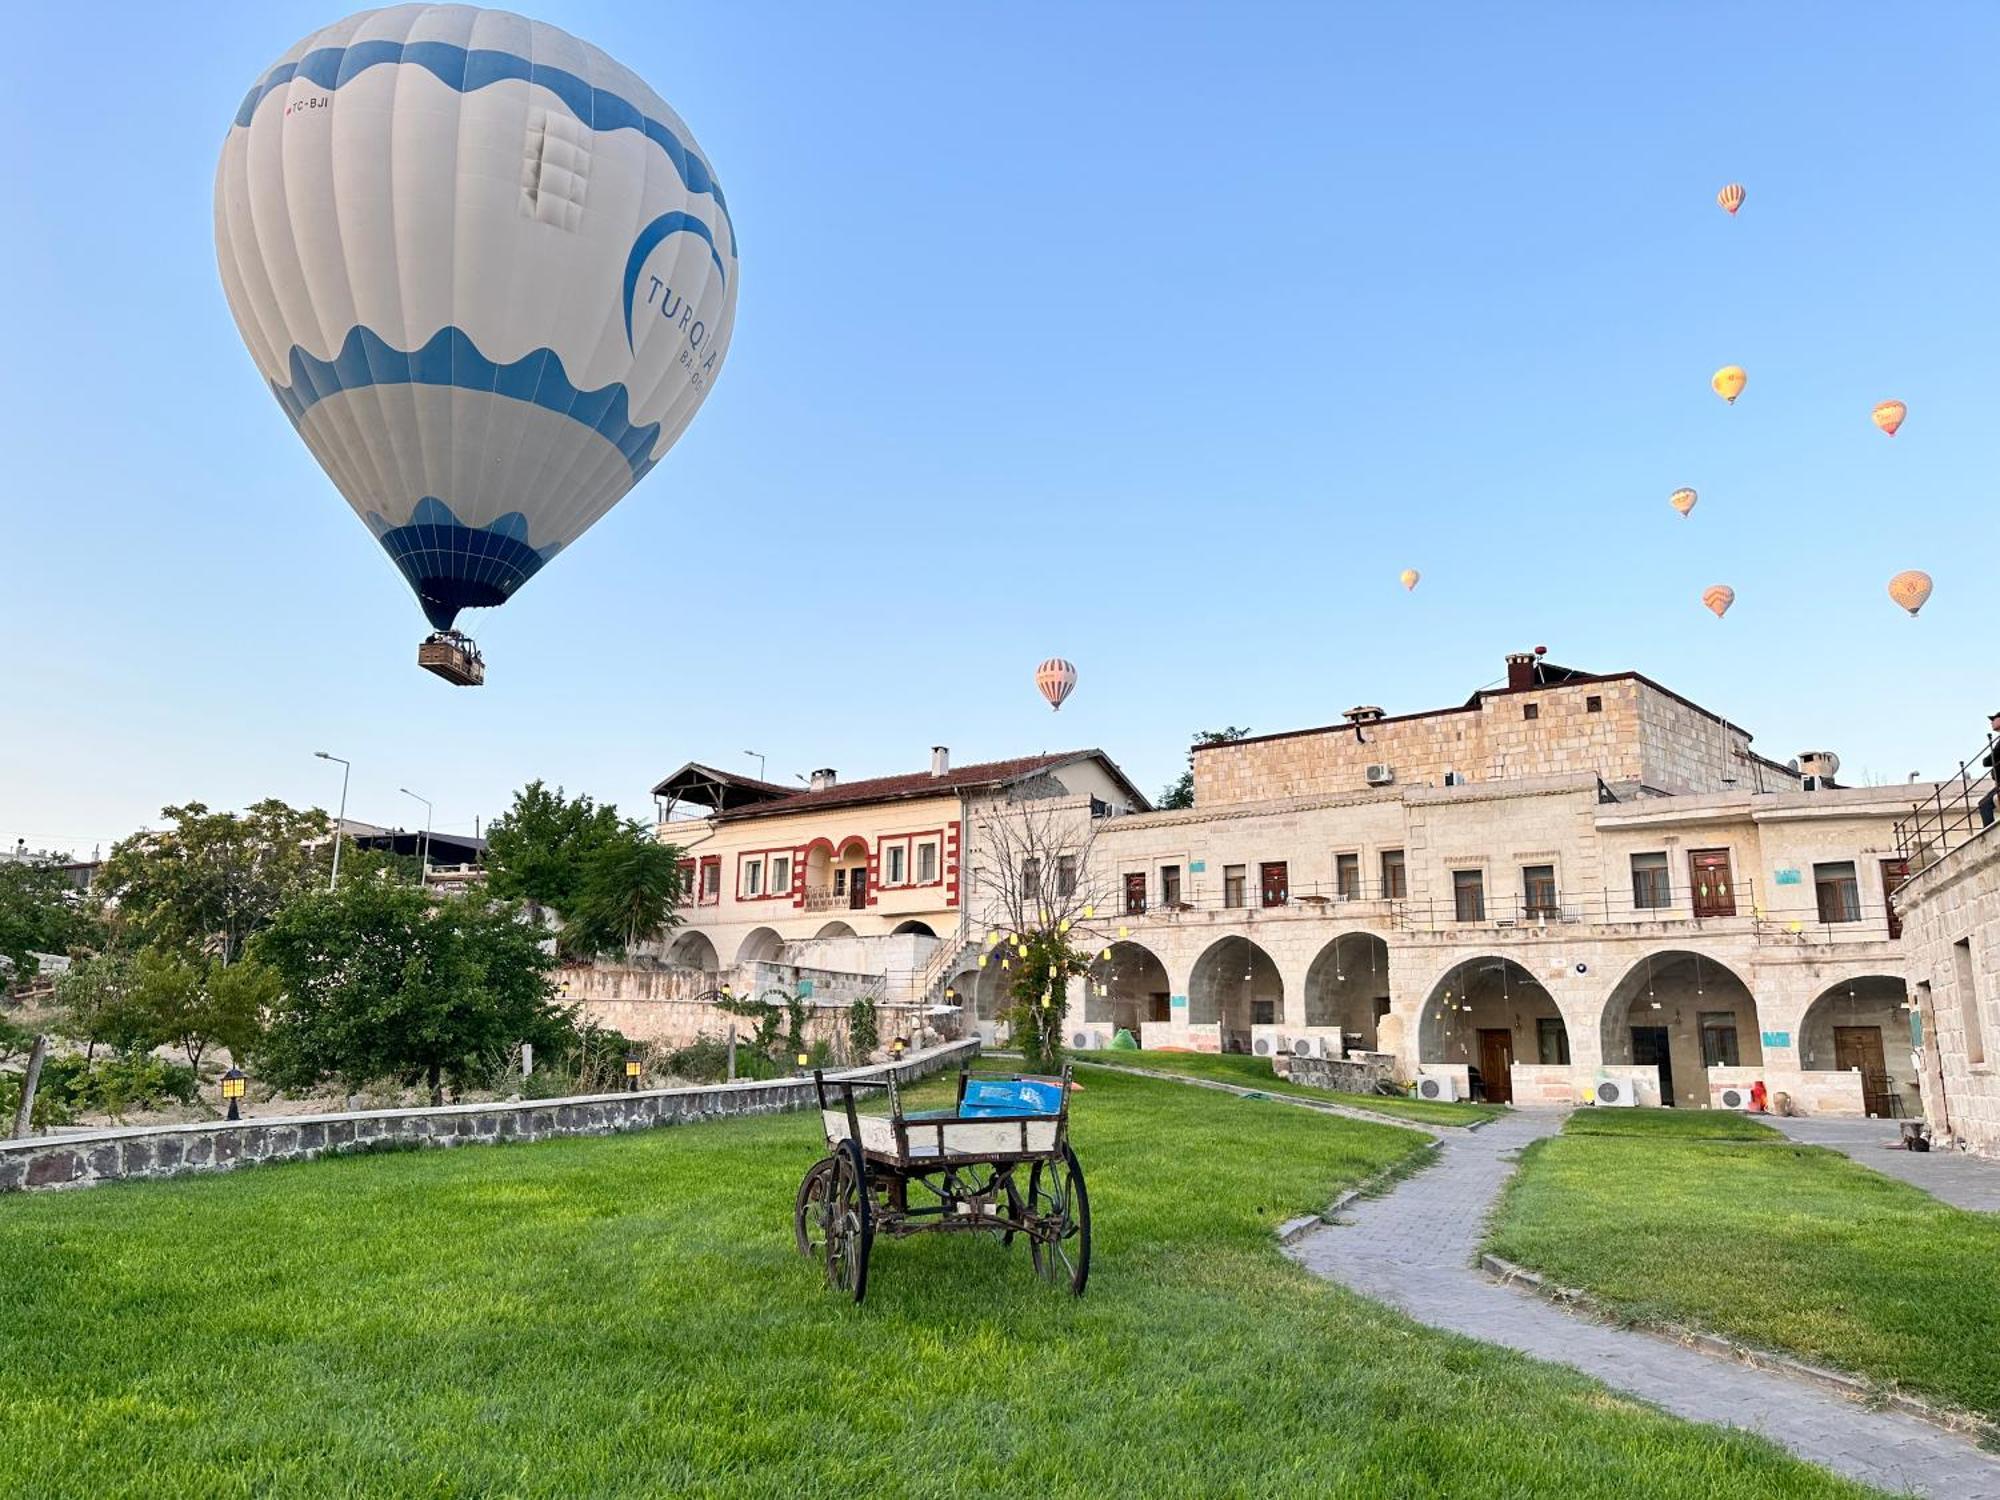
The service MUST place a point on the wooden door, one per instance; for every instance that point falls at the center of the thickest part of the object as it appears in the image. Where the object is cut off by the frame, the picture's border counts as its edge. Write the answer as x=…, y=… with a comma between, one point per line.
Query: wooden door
x=1277, y=886
x=1652, y=1046
x=857, y=889
x=1496, y=1063
x=1861, y=1047
x=1714, y=888
x=1894, y=873
x=1135, y=895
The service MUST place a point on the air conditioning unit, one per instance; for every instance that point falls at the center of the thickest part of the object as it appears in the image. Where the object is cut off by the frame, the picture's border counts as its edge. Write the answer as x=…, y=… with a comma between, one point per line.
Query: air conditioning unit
x=1729, y=1096
x=1264, y=1046
x=1453, y=778
x=1438, y=1086
x=1617, y=1093
x=1090, y=1039
x=1315, y=1046
x=1380, y=775
x=1812, y=783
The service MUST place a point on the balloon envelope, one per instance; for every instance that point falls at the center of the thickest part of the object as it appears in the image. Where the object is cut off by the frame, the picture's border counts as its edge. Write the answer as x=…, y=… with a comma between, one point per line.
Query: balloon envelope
x=1729, y=382
x=1682, y=500
x=1056, y=679
x=487, y=273
x=1910, y=589
x=1731, y=198
x=1718, y=597
x=1410, y=577
x=1889, y=416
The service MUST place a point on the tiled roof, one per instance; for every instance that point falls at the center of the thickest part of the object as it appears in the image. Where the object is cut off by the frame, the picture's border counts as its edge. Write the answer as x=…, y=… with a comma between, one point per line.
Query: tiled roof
x=924, y=784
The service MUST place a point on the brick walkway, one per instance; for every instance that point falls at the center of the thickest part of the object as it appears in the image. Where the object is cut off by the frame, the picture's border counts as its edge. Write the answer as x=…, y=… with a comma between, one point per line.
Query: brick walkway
x=1414, y=1250
x=1960, y=1179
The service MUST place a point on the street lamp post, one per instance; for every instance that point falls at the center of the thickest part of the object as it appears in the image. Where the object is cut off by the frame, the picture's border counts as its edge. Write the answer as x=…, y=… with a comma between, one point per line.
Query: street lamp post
x=424, y=848
x=340, y=821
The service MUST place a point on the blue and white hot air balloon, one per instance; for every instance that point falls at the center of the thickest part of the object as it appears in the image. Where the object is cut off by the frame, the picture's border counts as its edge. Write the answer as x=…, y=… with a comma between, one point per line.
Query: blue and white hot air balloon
x=488, y=275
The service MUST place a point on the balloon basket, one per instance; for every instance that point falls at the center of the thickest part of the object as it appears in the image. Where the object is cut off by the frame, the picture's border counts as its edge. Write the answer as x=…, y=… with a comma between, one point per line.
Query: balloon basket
x=453, y=657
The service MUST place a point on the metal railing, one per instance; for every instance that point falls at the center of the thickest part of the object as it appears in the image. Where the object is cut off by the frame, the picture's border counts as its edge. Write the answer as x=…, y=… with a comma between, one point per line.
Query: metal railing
x=1959, y=809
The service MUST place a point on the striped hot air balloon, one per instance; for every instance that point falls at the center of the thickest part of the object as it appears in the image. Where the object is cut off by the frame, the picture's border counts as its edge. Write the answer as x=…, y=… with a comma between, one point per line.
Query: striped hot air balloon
x=1718, y=597
x=1729, y=382
x=1057, y=680
x=1889, y=416
x=1910, y=589
x=1682, y=500
x=1731, y=198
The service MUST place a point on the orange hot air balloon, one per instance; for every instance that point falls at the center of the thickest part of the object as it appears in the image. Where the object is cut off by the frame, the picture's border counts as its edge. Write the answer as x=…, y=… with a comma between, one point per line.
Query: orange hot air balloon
x=1410, y=577
x=1718, y=597
x=1057, y=680
x=1731, y=198
x=1889, y=416
x=1682, y=500
x=1729, y=382
x=1910, y=589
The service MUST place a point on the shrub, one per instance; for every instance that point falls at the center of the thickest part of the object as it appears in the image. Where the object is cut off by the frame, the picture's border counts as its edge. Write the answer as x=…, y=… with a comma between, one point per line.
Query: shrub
x=706, y=1060
x=864, y=1033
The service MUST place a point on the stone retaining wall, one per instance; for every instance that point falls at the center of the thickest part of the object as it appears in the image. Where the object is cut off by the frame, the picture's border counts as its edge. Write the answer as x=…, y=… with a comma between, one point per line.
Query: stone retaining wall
x=1345, y=1075
x=84, y=1159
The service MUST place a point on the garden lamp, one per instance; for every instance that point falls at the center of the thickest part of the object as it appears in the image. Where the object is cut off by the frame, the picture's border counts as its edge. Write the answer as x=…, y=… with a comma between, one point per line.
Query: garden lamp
x=232, y=1090
x=805, y=1061
x=631, y=1072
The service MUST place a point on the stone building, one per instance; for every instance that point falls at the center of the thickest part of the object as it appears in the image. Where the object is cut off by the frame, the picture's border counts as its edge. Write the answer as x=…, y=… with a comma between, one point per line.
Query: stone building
x=1572, y=878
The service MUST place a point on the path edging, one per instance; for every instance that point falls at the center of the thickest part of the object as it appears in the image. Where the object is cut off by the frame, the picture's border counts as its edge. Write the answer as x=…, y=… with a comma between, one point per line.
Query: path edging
x=1293, y=1230
x=1243, y=1091
x=1854, y=1387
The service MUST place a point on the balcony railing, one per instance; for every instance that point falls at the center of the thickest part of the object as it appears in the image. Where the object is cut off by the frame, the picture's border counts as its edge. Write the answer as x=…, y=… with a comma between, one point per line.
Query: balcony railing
x=1958, y=810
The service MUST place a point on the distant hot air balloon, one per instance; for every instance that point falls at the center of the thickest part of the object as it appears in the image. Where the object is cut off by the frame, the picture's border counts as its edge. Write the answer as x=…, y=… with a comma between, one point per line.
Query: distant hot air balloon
x=1910, y=589
x=1682, y=500
x=1410, y=577
x=1729, y=382
x=1718, y=597
x=1057, y=679
x=1731, y=199
x=1889, y=416
x=488, y=345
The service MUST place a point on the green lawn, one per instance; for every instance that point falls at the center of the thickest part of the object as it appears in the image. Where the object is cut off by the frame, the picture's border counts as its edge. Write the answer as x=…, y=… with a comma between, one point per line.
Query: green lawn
x=1257, y=1073
x=1713, y=1220
x=627, y=1317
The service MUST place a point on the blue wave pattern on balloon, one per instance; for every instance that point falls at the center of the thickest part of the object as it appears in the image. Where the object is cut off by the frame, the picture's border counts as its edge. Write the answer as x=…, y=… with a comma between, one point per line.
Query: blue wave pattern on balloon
x=453, y=566
x=451, y=358
x=469, y=69
x=648, y=240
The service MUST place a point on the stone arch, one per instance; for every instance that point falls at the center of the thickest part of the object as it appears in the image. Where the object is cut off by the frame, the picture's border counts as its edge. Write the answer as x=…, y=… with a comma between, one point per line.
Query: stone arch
x=1488, y=1008
x=1347, y=985
x=1862, y=1022
x=990, y=991
x=762, y=945
x=914, y=928
x=1235, y=984
x=1128, y=989
x=693, y=950
x=1685, y=1012
x=834, y=929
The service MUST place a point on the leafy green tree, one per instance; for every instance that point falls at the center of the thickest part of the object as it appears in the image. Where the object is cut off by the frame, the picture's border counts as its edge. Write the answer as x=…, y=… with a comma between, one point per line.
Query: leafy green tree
x=207, y=884
x=99, y=1002
x=631, y=887
x=1179, y=793
x=196, y=1004
x=379, y=980
x=1044, y=962
x=40, y=912
x=539, y=849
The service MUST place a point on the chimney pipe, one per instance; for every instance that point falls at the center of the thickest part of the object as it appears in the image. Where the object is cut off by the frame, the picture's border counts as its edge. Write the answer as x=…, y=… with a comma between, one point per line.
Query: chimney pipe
x=1363, y=713
x=1520, y=670
x=823, y=778
x=940, y=760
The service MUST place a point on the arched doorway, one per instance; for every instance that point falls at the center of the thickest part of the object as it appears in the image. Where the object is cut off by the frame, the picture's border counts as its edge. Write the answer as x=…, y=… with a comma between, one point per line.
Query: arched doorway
x=1683, y=1013
x=1863, y=1025
x=1235, y=985
x=915, y=929
x=990, y=994
x=1489, y=1013
x=1128, y=990
x=763, y=945
x=693, y=950
x=834, y=930
x=1347, y=987
x=850, y=875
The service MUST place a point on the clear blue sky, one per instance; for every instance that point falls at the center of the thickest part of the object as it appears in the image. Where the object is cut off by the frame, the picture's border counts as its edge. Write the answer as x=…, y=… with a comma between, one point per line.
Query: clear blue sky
x=1158, y=337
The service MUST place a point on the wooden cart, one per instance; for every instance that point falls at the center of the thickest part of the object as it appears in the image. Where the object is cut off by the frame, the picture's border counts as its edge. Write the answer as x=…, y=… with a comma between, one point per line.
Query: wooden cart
x=998, y=1162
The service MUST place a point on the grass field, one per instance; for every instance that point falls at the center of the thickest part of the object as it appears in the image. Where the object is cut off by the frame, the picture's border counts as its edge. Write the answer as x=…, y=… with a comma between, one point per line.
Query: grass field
x=627, y=1316
x=1711, y=1219
x=1257, y=1073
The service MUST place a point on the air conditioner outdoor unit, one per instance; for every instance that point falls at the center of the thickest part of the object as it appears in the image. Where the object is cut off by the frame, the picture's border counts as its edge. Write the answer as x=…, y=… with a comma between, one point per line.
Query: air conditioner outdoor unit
x=1090, y=1039
x=1312, y=1046
x=1380, y=775
x=1263, y=1046
x=1730, y=1096
x=1618, y=1093
x=1811, y=783
x=1438, y=1086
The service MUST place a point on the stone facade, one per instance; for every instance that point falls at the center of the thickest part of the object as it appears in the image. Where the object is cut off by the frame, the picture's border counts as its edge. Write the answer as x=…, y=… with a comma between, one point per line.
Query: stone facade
x=85, y=1159
x=1951, y=922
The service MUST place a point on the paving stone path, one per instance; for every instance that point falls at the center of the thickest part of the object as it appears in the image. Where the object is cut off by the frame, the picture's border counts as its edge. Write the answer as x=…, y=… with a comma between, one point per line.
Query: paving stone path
x=1962, y=1180
x=1414, y=1249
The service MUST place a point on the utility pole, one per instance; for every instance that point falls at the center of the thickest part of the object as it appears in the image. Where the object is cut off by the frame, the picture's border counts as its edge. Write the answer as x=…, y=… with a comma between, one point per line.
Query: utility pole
x=340, y=819
x=424, y=848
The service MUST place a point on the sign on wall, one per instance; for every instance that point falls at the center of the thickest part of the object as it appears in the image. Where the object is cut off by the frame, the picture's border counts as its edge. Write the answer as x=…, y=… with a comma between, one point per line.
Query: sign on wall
x=1777, y=1039
x=1785, y=875
x=1180, y=1002
x=1196, y=866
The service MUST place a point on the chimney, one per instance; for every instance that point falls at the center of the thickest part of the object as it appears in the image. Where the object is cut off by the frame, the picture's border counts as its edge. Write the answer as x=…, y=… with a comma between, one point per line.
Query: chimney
x=1363, y=713
x=823, y=778
x=1822, y=765
x=1520, y=670
x=940, y=760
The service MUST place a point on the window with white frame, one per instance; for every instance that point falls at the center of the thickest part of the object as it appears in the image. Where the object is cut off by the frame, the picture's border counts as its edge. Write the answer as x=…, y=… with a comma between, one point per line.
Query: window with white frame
x=781, y=874
x=927, y=863
x=750, y=882
x=892, y=864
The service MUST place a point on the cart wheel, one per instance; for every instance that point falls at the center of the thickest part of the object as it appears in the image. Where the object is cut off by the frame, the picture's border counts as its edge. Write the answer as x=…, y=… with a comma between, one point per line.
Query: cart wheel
x=1060, y=1244
x=847, y=1222
x=806, y=1212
